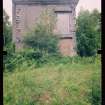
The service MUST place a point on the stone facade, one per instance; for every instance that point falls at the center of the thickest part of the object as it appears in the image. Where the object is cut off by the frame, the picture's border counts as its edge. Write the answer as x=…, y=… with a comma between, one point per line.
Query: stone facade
x=26, y=13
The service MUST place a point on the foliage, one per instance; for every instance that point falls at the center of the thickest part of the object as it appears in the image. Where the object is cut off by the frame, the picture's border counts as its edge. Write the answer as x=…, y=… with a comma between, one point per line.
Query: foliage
x=11, y=61
x=8, y=45
x=41, y=39
x=7, y=30
x=39, y=75
x=61, y=84
x=88, y=32
x=30, y=59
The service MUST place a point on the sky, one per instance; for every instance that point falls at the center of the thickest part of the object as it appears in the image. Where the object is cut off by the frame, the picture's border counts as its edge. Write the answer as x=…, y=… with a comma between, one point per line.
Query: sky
x=85, y=4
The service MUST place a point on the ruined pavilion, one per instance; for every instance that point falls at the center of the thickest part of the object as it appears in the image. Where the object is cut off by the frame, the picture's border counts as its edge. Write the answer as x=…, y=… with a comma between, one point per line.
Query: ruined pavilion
x=26, y=12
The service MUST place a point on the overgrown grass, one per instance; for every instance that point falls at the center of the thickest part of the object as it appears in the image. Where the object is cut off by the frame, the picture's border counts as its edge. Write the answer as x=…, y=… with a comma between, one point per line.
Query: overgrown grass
x=67, y=81
x=23, y=60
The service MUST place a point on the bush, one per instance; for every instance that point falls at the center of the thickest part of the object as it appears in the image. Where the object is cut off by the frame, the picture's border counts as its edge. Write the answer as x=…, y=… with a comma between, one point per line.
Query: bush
x=42, y=41
x=88, y=33
x=13, y=59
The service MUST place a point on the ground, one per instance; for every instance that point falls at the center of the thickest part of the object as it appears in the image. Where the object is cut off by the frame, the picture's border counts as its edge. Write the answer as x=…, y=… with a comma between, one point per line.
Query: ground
x=62, y=84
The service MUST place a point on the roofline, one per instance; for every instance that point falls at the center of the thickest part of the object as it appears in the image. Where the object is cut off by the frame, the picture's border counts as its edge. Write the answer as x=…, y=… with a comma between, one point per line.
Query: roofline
x=33, y=2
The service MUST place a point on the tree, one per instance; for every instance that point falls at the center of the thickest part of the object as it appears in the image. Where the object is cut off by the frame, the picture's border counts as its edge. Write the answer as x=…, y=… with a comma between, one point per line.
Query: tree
x=7, y=31
x=7, y=34
x=42, y=39
x=96, y=18
x=88, y=32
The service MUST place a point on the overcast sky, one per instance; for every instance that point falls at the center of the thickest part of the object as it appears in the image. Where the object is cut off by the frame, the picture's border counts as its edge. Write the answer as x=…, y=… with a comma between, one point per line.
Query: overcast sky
x=86, y=4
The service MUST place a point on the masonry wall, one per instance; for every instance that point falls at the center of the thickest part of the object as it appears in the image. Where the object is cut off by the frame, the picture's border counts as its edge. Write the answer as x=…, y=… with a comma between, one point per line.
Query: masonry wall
x=67, y=47
x=28, y=16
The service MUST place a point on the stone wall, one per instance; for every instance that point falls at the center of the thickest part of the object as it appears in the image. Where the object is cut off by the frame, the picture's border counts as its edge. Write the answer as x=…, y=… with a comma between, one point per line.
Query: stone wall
x=25, y=17
x=67, y=47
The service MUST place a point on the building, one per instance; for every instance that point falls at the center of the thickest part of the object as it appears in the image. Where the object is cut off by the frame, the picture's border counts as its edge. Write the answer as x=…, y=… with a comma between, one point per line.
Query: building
x=26, y=12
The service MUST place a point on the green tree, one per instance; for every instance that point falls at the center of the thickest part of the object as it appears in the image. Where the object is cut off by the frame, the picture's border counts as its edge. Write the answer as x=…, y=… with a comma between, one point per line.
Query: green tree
x=88, y=32
x=41, y=39
x=7, y=30
x=8, y=45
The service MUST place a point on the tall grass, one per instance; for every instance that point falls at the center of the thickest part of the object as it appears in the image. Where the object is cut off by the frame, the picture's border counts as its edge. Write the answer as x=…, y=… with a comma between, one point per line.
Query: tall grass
x=21, y=60
x=61, y=81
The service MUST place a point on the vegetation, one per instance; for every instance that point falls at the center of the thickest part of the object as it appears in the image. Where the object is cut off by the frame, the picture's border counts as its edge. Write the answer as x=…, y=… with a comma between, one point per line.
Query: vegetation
x=8, y=45
x=39, y=75
x=7, y=30
x=65, y=82
x=41, y=42
x=88, y=32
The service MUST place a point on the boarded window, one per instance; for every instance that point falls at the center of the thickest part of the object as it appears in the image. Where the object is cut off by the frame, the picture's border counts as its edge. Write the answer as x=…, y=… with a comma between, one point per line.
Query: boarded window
x=63, y=23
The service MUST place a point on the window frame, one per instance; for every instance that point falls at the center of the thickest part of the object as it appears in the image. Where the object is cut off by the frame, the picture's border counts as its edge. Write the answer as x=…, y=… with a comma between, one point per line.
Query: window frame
x=63, y=12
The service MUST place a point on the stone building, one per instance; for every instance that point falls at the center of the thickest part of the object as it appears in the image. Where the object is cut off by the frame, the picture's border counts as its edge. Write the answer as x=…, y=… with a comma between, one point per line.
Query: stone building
x=26, y=12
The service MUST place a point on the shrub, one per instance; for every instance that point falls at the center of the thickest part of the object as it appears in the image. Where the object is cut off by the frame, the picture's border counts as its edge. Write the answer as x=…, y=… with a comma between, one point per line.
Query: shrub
x=88, y=33
x=41, y=40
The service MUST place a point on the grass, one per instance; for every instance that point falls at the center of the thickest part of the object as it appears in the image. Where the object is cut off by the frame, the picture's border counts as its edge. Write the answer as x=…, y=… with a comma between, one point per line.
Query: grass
x=61, y=84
